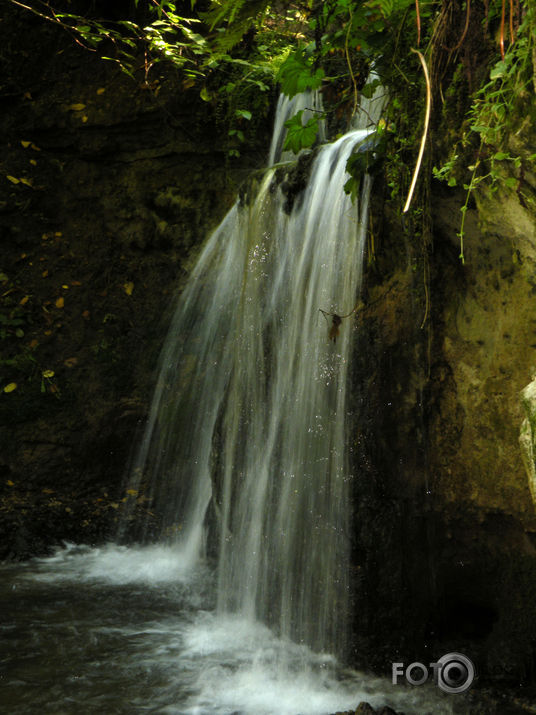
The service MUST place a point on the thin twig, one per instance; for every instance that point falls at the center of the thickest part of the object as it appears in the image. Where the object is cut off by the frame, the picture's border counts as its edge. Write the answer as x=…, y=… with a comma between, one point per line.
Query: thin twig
x=512, y=22
x=464, y=33
x=349, y=62
x=501, y=42
x=55, y=20
x=425, y=130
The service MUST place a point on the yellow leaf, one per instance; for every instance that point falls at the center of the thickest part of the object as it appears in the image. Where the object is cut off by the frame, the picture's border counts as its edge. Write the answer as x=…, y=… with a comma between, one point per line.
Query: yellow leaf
x=47, y=491
x=27, y=182
x=58, y=234
x=9, y=388
x=60, y=302
x=44, y=274
x=101, y=90
x=27, y=95
x=25, y=300
x=77, y=107
x=33, y=344
x=128, y=287
x=48, y=332
x=132, y=492
x=76, y=283
x=33, y=162
x=84, y=119
x=70, y=362
x=10, y=483
x=35, y=148
x=114, y=505
x=65, y=286
x=25, y=144
x=13, y=179
x=48, y=373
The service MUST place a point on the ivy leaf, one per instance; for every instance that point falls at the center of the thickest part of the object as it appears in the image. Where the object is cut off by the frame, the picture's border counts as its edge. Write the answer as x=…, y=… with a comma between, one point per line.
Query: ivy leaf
x=296, y=74
x=369, y=89
x=499, y=70
x=300, y=136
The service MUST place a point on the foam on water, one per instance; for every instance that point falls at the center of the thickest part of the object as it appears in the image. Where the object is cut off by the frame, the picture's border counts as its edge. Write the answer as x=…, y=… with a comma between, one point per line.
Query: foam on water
x=151, y=565
x=102, y=631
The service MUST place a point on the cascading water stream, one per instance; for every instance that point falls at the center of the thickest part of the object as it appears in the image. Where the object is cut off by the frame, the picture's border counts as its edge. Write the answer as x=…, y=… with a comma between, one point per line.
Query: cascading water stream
x=249, y=413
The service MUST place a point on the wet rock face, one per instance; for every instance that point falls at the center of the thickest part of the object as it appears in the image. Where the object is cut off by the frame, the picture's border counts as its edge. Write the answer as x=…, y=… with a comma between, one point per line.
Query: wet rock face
x=488, y=345
x=112, y=190
x=445, y=521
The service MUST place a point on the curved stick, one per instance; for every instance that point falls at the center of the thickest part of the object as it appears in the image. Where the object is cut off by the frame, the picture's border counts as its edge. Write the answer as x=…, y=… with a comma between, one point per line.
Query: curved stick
x=425, y=130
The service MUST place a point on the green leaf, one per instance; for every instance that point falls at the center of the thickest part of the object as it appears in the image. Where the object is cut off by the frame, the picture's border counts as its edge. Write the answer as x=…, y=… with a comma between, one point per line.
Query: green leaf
x=501, y=156
x=300, y=136
x=499, y=70
x=369, y=89
x=511, y=182
x=297, y=74
x=243, y=114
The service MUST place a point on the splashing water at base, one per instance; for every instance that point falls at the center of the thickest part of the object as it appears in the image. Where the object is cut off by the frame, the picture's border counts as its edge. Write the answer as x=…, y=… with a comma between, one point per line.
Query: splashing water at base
x=92, y=631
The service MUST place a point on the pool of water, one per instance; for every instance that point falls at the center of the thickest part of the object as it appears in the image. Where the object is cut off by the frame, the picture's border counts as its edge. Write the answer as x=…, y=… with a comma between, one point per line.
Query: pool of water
x=134, y=630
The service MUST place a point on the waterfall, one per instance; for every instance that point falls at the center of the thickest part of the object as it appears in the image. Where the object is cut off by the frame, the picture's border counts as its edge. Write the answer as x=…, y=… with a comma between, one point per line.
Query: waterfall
x=247, y=434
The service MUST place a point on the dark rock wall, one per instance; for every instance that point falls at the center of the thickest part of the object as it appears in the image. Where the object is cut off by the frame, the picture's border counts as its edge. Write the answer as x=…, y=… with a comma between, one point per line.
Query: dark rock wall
x=116, y=187
x=444, y=556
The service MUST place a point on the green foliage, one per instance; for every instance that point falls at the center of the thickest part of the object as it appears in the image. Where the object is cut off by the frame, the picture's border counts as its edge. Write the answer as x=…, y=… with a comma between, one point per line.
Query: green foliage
x=497, y=109
x=367, y=157
x=297, y=73
x=11, y=324
x=299, y=135
x=500, y=102
x=232, y=19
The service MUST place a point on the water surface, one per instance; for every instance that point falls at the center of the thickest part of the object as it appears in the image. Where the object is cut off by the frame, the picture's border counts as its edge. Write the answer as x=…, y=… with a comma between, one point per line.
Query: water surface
x=134, y=630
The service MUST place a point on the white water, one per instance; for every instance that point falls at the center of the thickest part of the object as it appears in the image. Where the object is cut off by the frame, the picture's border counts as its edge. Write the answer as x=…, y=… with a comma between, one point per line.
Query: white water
x=250, y=410
x=92, y=631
